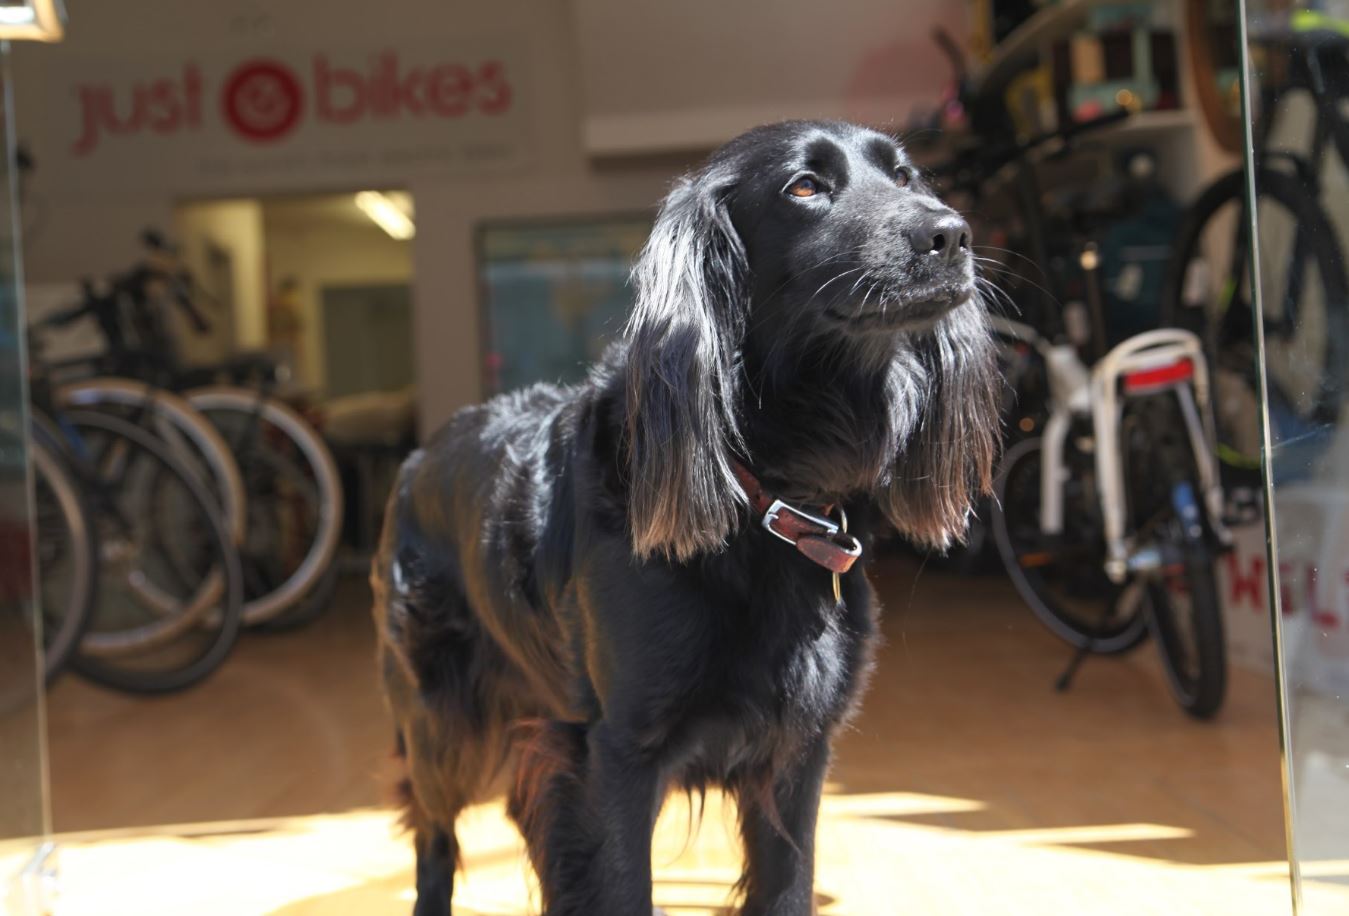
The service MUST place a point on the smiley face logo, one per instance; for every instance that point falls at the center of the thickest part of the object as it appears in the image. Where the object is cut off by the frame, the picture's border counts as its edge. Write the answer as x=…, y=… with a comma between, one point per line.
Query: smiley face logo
x=262, y=100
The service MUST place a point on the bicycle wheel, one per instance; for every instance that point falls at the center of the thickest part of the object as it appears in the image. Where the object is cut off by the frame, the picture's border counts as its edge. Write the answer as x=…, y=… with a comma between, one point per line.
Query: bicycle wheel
x=1168, y=520
x=1186, y=619
x=194, y=441
x=294, y=499
x=67, y=553
x=1305, y=311
x=164, y=546
x=313, y=605
x=1062, y=578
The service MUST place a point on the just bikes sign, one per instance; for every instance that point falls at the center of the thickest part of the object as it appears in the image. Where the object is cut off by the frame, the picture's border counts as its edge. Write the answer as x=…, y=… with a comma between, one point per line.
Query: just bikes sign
x=383, y=112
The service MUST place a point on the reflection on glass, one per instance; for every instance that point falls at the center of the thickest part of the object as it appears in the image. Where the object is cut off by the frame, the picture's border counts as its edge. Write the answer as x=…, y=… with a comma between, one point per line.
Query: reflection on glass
x=22, y=806
x=1299, y=93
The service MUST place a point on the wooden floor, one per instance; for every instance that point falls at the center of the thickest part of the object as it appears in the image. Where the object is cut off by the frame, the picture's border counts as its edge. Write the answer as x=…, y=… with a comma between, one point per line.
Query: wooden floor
x=966, y=780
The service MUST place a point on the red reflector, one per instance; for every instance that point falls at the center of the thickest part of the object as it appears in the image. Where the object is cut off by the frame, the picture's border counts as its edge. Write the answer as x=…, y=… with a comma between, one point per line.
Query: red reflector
x=1162, y=375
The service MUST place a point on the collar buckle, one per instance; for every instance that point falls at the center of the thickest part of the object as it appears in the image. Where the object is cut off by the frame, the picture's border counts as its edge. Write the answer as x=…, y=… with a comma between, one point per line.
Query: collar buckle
x=777, y=507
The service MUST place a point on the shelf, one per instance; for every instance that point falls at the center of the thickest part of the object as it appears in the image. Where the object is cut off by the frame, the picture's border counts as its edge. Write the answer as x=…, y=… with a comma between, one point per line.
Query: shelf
x=1144, y=126
x=1025, y=42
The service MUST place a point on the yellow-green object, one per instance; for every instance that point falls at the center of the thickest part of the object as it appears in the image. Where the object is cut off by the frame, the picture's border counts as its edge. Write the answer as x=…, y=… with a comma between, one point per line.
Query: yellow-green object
x=1318, y=21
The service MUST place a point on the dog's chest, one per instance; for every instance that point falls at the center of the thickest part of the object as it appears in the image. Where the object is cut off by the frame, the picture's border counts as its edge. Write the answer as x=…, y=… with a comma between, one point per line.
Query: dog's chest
x=781, y=690
x=796, y=669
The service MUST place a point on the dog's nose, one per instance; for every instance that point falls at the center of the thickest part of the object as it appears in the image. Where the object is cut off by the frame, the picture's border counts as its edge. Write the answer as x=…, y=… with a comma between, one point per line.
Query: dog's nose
x=941, y=235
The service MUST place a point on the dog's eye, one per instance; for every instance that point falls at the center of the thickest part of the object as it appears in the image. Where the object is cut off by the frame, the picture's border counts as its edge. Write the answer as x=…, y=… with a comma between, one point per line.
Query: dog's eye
x=805, y=186
x=903, y=175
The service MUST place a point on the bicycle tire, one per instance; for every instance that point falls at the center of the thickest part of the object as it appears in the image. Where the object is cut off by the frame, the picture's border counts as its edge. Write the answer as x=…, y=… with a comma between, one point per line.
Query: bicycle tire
x=1316, y=239
x=215, y=403
x=219, y=629
x=1131, y=631
x=1168, y=518
x=113, y=395
x=61, y=633
x=194, y=441
x=1198, y=684
x=309, y=608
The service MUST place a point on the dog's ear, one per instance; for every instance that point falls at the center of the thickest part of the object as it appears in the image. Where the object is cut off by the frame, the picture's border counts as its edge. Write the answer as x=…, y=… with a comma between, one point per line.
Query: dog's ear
x=682, y=375
x=946, y=460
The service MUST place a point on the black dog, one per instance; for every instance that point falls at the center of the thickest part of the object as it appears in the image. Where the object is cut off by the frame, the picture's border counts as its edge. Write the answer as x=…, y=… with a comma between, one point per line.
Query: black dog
x=598, y=582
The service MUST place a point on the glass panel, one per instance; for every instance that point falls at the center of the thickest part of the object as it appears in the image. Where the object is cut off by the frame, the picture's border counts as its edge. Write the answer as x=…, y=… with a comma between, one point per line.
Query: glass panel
x=1298, y=94
x=23, y=810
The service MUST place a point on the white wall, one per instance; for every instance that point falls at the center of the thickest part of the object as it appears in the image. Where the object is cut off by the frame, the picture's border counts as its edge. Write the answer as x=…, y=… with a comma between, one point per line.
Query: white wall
x=235, y=227
x=327, y=253
x=691, y=74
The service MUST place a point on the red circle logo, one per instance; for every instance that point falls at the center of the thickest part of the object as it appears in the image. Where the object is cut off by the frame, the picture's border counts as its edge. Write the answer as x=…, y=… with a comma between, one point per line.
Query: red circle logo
x=262, y=100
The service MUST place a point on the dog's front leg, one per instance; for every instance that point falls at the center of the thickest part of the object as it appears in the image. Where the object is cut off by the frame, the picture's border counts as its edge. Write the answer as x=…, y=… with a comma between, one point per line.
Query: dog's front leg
x=779, y=844
x=623, y=785
x=586, y=803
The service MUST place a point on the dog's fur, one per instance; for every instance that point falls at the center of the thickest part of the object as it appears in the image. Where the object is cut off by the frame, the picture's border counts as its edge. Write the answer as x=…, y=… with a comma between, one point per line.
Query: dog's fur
x=567, y=576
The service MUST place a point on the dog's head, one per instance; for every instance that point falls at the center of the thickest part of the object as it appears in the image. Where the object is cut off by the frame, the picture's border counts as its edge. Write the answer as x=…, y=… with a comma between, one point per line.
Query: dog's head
x=796, y=238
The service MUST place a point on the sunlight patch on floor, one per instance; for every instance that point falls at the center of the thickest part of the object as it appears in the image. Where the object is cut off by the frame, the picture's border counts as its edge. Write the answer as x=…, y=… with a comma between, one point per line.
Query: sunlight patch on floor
x=871, y=861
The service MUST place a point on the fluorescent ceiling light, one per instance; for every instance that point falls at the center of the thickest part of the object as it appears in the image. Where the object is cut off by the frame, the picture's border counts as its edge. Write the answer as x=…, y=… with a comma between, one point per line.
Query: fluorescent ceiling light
x=392, y=212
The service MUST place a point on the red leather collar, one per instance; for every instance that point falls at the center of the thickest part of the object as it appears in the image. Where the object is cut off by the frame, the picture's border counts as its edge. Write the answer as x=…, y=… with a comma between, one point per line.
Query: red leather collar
x=815, y=536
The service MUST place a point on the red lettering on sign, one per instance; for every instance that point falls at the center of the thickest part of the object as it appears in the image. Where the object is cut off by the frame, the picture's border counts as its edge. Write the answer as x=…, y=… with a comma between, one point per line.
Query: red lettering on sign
x=165, y=106
x=390, y=91
x=1324, y=617
x=495, y=96
x=449, y=89
x=340, y=92
x=1251, y=586
x=263, y=100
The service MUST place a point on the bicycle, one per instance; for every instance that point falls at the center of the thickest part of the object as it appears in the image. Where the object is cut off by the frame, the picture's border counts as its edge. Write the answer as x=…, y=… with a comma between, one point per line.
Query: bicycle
x=1104, y=549
x=263, y=455
x=1305, y=317
x=1103, y=553
x=163, y=584
x=1105, y=556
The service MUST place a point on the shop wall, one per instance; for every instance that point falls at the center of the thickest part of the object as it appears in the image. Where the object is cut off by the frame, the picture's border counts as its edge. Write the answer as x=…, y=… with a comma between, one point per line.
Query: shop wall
x=658, y=76
x=563, y=61
x=90, y=227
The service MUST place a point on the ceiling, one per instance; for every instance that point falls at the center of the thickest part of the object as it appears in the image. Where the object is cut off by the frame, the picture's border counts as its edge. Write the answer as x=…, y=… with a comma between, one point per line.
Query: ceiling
x=316, y=209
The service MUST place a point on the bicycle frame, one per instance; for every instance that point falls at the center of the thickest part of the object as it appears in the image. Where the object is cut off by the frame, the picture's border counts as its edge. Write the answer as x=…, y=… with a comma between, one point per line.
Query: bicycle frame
x=1320, y=71
x=1168, y=359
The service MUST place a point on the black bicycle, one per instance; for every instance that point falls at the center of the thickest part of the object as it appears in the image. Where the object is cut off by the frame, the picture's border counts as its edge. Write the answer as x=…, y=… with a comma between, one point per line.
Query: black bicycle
x=1305, y=314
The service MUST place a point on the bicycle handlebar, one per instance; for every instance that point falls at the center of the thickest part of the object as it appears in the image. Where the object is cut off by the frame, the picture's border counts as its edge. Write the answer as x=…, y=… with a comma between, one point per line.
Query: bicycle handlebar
x=133, y=284
x=200, y=323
